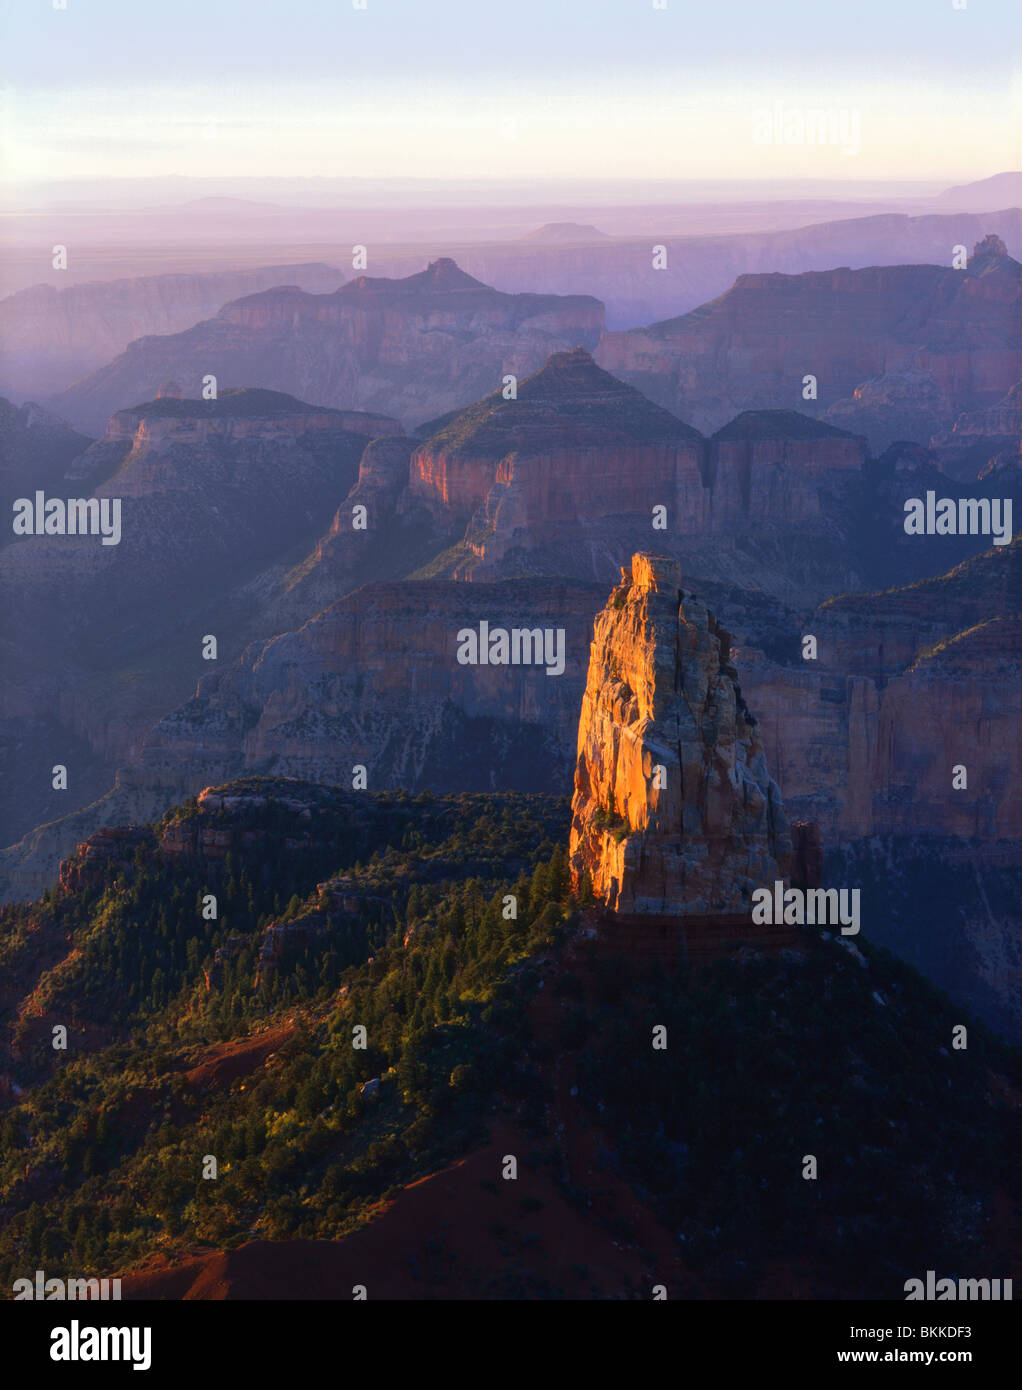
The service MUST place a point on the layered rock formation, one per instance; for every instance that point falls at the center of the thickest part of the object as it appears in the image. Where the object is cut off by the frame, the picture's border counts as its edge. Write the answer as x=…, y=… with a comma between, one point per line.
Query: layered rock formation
x=574, y=443
x=101, y=640
x=860, y=740
x=52, y=336
x=752, y=347
x=674, y=810
x=569, y=477
x=412, y=347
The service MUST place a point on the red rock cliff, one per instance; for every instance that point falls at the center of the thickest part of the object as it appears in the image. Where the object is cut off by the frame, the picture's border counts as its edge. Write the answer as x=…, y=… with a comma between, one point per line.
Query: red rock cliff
x=674, y=811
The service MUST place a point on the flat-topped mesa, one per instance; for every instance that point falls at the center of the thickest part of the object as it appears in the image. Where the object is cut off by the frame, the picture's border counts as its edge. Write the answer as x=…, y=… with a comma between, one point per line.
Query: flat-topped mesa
x=674, y=811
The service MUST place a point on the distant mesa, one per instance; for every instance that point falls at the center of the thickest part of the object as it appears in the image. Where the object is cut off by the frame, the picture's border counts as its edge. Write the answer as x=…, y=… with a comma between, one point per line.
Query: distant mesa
x=411, y=347
x=986, y=195
x=253, y=403
x=778, y=424
x=957, y=332
x=443, y=274
x=52, y=337
x=566, y=232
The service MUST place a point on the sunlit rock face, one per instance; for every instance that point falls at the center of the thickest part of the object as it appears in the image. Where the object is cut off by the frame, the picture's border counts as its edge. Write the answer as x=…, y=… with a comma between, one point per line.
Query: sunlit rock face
x=674, y=810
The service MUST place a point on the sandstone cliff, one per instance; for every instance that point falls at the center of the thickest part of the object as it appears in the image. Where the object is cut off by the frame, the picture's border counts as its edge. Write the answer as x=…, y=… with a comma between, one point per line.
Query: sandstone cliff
x=674, y=811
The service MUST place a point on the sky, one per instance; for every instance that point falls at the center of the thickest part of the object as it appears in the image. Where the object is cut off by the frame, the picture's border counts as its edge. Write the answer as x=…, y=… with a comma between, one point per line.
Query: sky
x=499, y=89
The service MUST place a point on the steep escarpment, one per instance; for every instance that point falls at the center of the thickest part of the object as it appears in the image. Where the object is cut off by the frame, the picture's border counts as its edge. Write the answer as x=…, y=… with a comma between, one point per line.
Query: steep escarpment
x=674, y=810
x=412, y=347
x=960, y=331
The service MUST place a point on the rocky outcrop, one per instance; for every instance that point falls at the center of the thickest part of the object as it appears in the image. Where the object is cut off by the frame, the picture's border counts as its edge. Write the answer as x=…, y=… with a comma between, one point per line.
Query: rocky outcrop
x=752, y=347
x=412, y=347
x=982, y=439
x=674, y=810
x=53, y=336
x=110, y=846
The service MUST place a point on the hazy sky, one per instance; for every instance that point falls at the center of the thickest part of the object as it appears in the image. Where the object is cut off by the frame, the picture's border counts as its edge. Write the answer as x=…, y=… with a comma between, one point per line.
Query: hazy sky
x=520, y=88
